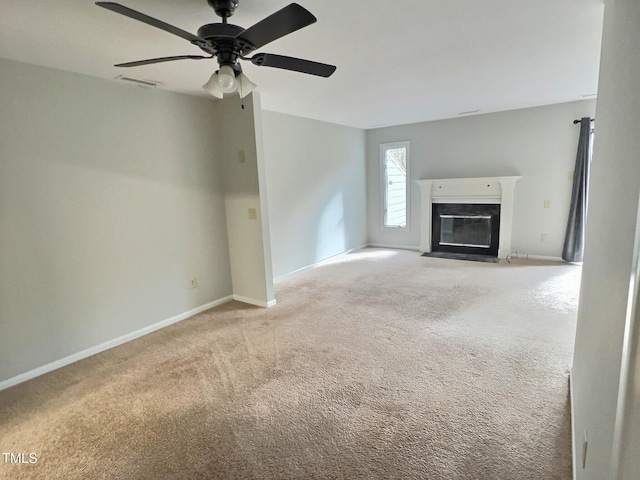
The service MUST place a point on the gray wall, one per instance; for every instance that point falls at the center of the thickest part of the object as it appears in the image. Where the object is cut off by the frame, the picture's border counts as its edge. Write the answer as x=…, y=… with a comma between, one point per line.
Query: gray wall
x=110, y=201
x=615, y=185
x=538, y=143
x=315, y=189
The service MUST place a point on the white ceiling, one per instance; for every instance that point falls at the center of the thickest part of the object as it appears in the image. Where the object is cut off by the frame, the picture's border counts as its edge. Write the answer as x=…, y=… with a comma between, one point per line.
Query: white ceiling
x=399, y=62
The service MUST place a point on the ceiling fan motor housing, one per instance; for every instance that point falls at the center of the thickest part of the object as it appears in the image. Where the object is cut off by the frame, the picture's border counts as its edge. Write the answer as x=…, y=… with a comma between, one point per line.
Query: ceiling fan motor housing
x=224, y=8
x=223, y=43
x=213, y=31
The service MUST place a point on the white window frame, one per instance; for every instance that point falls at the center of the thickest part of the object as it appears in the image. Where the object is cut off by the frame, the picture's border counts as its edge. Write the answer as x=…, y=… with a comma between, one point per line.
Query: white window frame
x=383, y=180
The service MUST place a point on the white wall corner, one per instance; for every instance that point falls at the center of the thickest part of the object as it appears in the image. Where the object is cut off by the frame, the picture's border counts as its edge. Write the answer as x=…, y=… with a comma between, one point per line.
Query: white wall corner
x=508, y=185
x=245, y=201
x=263, y=198
x=425, y=214
x=253, y=301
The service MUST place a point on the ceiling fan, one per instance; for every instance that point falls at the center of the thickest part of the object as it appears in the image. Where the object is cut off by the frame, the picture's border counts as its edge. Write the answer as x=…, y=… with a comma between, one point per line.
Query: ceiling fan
x=230, y=43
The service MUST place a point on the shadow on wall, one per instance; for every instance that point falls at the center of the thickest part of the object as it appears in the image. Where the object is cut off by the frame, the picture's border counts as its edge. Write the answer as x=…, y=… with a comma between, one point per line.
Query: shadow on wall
x=331, y=235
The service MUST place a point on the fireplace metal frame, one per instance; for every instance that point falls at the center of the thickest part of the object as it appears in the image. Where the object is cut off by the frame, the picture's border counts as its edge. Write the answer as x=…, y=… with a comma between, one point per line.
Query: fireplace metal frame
x=489, y=210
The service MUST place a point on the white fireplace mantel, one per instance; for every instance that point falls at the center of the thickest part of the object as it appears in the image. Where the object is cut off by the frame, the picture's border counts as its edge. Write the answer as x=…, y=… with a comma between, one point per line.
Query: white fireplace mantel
x=500, y=190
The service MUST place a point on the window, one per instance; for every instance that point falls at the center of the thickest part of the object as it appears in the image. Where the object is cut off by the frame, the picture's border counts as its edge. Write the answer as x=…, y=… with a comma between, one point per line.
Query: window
x=395, y=184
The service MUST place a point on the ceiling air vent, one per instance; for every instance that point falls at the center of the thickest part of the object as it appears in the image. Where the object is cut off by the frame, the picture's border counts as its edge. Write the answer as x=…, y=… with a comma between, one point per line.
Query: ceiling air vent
x=137, y=81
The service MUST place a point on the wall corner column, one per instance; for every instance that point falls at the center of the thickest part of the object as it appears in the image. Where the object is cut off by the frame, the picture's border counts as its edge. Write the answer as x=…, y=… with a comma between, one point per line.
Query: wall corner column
x=425, y=215
x=508, y=185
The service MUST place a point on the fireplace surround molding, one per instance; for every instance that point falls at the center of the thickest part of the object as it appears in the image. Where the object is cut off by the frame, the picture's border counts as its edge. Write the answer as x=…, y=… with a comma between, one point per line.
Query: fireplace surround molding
x=498, y=190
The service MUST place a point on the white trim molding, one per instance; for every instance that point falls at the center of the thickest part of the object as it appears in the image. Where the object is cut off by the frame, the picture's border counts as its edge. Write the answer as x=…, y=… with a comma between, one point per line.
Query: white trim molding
x=546, y=258
x=574, y=440
x=500, y=190
x=253, y=301
x=394, y=247
x=50, y=367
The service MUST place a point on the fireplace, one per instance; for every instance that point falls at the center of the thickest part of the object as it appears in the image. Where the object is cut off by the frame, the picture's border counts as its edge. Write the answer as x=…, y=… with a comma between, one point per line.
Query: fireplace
x=465, y=204
x=467, y=228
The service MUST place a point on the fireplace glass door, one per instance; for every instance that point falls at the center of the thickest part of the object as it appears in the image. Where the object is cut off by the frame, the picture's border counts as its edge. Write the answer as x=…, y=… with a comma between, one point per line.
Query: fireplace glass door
x=466, y=228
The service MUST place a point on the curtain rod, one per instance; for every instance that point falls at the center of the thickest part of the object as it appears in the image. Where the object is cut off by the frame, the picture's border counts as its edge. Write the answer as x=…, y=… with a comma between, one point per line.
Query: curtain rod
x=578, y=121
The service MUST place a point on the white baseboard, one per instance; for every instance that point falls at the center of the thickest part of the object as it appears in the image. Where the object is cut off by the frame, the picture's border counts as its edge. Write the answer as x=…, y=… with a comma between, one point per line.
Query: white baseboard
x=316, y=264
x=49, y=367
x=544, y=257
x=253, y=301
x=417, y=249
x=399, y=247
x=573, y=430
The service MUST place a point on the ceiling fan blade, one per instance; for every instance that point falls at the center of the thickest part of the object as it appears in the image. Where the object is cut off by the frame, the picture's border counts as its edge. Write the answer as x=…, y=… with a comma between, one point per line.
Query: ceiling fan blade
x=292, y=63
x=150, y=61
x=126, y=11
x=285, y=21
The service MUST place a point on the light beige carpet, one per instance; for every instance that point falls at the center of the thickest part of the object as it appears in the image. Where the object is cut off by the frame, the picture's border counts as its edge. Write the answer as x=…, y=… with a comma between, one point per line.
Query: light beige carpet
x=380, y=365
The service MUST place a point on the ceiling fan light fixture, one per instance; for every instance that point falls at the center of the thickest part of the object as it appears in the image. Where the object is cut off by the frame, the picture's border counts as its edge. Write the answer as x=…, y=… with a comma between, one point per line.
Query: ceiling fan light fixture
x=245, y=86
x=212, y=86
x=226, y=79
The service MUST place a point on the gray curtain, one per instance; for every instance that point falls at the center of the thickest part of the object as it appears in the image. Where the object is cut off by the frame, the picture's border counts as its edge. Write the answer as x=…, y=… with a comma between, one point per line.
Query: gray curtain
x=574, y=237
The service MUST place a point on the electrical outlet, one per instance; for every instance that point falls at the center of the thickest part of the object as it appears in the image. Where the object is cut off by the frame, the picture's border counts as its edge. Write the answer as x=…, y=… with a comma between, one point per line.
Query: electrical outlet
x=241, y=158
x=547, y=204
x=585, y=444
x=543, y=237
x=253, y=214
x=193, y=283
